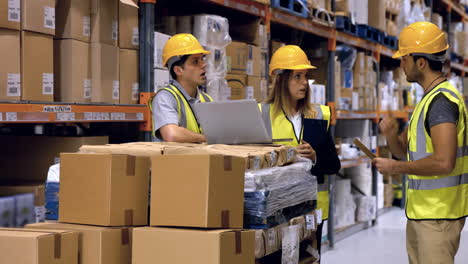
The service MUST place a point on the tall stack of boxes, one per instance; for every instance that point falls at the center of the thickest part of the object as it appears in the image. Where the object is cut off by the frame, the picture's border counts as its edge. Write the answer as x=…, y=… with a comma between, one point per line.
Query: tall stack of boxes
x=161, y=73
x=364, y=83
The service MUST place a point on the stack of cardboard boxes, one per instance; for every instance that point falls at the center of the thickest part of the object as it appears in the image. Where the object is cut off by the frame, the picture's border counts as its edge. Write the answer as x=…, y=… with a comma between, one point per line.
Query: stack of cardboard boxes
x=364, y=92
x=161, y=73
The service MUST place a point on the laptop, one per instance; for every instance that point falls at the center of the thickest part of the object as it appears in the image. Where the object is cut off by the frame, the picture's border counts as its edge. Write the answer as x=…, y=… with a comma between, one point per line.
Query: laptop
x=232, y=122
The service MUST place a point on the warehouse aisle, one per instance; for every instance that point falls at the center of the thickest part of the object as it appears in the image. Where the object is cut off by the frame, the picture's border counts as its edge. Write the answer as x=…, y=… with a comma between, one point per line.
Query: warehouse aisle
x=382, y=244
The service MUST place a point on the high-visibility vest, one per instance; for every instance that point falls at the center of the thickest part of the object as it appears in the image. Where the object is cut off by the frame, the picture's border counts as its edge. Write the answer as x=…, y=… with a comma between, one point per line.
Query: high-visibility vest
x=187, y=118
x=283, y=133
x=442, y=196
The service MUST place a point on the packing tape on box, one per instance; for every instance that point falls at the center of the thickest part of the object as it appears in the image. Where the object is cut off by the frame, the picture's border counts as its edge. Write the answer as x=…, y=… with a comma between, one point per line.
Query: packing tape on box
x=238, y=242
x=125, y=236
x=225, y=217
x=131, y=160
x=129, y=217
x=227, y=163
x=57, y=246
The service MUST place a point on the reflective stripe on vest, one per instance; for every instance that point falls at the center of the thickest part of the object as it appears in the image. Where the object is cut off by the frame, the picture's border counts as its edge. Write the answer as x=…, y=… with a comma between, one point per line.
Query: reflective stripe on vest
x=442, y=196
x=187, y=118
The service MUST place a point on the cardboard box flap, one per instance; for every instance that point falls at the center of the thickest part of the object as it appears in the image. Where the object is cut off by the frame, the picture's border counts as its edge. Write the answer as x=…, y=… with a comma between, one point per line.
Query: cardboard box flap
x=129, y=2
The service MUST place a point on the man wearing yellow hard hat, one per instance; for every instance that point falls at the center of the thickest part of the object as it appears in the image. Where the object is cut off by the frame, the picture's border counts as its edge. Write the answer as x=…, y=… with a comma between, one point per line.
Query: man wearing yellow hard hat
x=171, y=107
x=433, y=150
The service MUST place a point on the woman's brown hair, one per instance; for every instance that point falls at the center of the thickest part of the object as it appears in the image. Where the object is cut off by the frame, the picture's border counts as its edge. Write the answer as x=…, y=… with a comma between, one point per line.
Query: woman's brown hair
x=281, y=99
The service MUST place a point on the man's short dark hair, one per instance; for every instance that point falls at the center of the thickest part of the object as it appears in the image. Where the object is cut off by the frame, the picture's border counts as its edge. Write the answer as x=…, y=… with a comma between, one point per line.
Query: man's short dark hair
x=180, y=63
x=433, y=65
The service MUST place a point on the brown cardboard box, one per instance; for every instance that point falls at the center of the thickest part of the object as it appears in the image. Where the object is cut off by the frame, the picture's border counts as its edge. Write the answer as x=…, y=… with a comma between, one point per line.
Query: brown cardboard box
x=256, y=88
x=275, y=45
x=128, y=26
x=105, y=73
x=237, y=56
x=360, y=63
x=377, y=14
x=104, y=189
x=182, y=246
x=210, y=191
x=74, y=20
x=128, y=76
x=437, y=19
x=40, y=152
x=321, y=72
x=10, y=76
x=98, y=245
x=38, y=16
x=104, y=21
x=10, y=14
x=337, y=79
x=18, y=245
x=388, y=195
x=37, y=67
x=254, y=61
x=72, y=71
x=37, y=189
x=237, y=83
x=250, y=31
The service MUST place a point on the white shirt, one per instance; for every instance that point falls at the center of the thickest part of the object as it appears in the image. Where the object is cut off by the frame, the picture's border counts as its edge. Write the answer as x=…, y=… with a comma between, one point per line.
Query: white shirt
x=296, y=120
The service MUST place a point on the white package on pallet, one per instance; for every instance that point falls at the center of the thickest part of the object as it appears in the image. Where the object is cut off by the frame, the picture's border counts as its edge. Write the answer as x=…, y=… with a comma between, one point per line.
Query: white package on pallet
x=361, y=177
x=366, y=208
x=380, y=195
x=216, y=65
x=345, y=209
x=211, y=30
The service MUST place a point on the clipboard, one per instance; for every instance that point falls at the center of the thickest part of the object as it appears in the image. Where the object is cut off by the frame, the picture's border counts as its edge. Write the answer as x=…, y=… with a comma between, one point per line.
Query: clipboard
x=364, y=149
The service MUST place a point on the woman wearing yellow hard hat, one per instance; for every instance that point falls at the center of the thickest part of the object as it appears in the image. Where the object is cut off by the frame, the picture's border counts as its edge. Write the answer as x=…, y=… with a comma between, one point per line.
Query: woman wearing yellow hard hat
x=171, y=107
x=288, y=110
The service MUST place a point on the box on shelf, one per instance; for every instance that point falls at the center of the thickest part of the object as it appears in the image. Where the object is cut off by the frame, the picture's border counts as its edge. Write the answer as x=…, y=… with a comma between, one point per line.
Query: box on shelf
x=254, y=61
x=251, y=32
x=437, y=20
x=237, y=84
x=318, y=94
x=105, y=73
x=10, y=14
x=97, y=245
x=237, y=57
x=37, y=67
x=10, y=70
x=128, y=26
x=163, y=245
x=104, y=21
x=377, y=14
x=104, y=189
x=36, y=189
x=214, y=191
x=161, y=79
x=160, y=40
x=72, y=71
x=256, y=88
x=73, y=19
x=128, y=61
x=388, y=195
x=275, y=45
x=38, y=16
x=361, y=12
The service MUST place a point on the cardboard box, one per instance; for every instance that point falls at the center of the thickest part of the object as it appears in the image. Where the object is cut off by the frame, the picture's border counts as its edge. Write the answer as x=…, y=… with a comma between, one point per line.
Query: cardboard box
x=104, y=189
x=360, y=64
x=105, y=73
x=40, y=151
x=73, y=20
x=251, y=32
x=39, y=196
x=237, y=84
x=210, y=191
x=10, y=72
x=360, y=13
x=320, y=74
x=256, y=88
x=104, y=21
x=160, y=40
x=38, y=246
x=98, y=245
x=38, y=16
x=161, y=79
x=317, y=94
x=72, y=71
x=437, y=19
x=129, y=93
x=377, y=14
x=164, y=245
x=129, y=37
x=275, y=45
x=10, y=14
x=237, y=57
x=255, y=61
x=37, y=67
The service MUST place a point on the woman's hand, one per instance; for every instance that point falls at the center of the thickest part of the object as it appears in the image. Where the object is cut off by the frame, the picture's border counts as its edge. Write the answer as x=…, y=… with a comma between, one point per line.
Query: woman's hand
x=305, y=150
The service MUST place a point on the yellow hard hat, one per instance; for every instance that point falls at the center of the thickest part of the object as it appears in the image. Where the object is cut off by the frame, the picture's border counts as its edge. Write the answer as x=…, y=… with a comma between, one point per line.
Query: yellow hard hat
x=421, y=37
x=289, y=57
x=180, y=45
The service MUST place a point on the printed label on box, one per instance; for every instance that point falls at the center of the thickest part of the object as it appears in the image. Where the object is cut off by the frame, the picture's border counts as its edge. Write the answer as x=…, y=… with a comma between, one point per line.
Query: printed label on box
x=40, y=212
x=1, y=117
x=65, y=116
x=117, y=116
x=250, y=67
x=87, y=88
x=140, y=116
x=249, y=92
x=271, y=237
x=115, y=29
x=310, y=222
x=226, y=94
x=47, y=83
x=14, y=11
x=274, y=158
x=49, y=17
x=88, y=116
x=86, y=26
x=115, y=90
x=14, y=84
x=135, y=37
x=319, y=214
x=11, y=116
x=135, y=88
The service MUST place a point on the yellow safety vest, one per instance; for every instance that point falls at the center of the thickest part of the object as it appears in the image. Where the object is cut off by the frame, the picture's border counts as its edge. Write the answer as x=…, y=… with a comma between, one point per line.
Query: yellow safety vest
x=283, y=133
x=443, y=196
x=187, y=118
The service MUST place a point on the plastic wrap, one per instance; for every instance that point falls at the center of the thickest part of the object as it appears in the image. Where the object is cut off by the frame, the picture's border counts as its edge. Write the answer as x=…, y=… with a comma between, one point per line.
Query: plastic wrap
x=404, y=17
x=218, y=89
x=347, y=57
x=290, y=245
x=7, y=212
x=212, y=30
x=216, y=62
x=24, y=207
x=417, y=13
x=52, y=188
x=345, y=210
x=366, y=208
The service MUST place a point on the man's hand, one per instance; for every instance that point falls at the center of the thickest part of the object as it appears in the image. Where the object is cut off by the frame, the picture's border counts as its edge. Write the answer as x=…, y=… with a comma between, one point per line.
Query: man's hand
x=389, y=126
x=305, y=150
x=385, y=165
